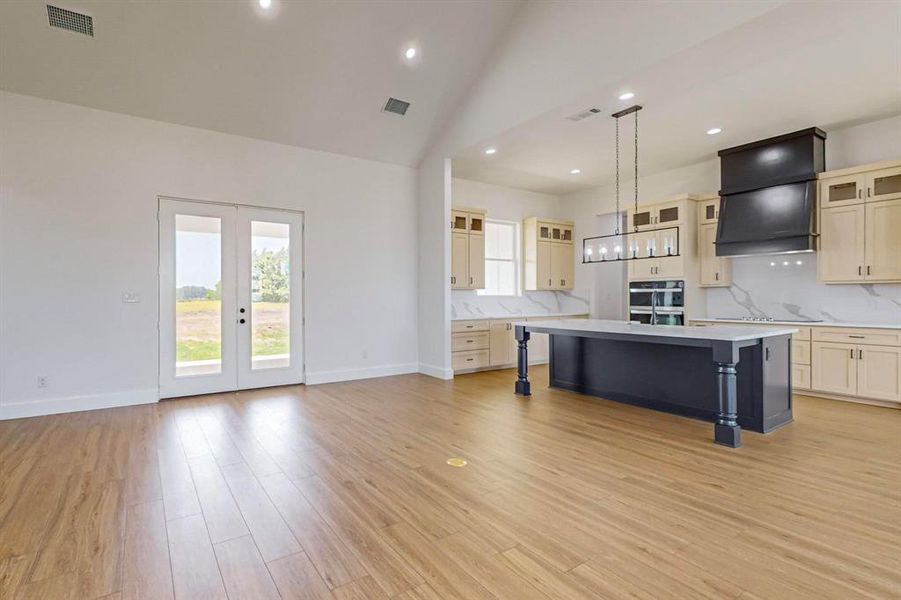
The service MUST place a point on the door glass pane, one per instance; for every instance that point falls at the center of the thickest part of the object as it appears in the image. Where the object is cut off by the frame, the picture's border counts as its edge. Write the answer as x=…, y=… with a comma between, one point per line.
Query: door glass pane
x=890, y=184
x=842, y=191
x=668, y=215
x=198, y=295
x=270, y=290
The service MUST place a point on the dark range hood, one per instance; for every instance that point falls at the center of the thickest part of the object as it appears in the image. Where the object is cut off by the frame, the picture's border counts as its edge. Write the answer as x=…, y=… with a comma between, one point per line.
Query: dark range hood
x=768, y=194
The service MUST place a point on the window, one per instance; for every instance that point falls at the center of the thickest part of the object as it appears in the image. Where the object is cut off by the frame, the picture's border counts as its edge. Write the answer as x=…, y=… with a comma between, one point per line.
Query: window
x=501, y=259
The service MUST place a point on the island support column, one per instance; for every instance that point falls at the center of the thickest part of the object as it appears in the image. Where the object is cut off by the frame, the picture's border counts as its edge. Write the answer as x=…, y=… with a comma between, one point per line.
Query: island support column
x=726, y=430
x=523, y=388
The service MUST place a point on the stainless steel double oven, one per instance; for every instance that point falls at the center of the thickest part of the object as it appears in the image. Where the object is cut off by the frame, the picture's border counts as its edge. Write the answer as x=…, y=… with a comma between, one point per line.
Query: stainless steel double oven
x=657, y=302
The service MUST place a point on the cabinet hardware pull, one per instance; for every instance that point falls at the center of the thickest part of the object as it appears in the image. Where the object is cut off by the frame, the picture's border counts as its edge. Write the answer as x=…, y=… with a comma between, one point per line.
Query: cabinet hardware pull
x=859, y=194
x=868, y=269
x=470, y=281
x=469, y=341
x=868, y=193
x=859, y=270
x=859, y=354
x=766, y=352
x=468, y=360
x=717, y=277
x=857, y=337
x=852, y=353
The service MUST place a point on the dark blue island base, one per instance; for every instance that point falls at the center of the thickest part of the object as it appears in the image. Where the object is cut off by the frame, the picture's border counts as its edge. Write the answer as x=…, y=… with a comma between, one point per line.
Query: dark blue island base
x=733, y=384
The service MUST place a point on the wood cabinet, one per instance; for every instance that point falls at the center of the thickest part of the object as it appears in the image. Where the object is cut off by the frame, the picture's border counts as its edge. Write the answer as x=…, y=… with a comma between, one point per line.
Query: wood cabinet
x=842, y=250
x=467, y=249
x=857, y=370
x=715, y=271
x=478, y=344
x=860, y=217
x=548, y=253
x=665, y=239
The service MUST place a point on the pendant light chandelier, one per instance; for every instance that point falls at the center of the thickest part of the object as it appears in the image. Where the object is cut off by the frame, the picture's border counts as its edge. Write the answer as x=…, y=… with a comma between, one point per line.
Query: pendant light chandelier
x=643, y=242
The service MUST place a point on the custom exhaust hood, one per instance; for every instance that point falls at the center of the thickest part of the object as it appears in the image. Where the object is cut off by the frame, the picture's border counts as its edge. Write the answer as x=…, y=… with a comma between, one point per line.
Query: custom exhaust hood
x=768, y=195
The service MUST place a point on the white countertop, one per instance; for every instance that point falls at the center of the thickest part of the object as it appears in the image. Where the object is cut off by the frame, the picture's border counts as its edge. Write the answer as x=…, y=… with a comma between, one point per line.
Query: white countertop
x=804, y=324
x=519, y=316
x=719, y=334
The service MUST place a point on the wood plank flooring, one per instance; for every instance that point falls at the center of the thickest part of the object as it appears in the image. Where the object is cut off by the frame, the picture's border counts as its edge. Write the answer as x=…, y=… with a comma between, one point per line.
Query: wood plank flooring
x=343, y=491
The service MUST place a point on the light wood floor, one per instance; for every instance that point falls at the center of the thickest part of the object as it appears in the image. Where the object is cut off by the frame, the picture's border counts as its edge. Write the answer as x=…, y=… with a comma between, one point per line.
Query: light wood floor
x=342, y=491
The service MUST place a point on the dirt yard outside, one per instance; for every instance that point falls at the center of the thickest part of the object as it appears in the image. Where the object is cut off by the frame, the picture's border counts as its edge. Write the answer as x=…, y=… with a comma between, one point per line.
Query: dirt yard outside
x=198, y=329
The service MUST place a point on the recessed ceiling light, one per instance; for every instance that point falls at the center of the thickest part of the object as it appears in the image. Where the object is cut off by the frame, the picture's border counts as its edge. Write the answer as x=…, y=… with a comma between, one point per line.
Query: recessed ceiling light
x=626, y=96
x=490, y=150
x=265, y=3
x=575, y=171
x=714, y=131
x=410, y=53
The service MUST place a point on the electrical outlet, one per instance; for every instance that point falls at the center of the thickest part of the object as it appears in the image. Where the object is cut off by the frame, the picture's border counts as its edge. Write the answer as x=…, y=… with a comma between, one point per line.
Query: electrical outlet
x=43, y=381
x=131, y=297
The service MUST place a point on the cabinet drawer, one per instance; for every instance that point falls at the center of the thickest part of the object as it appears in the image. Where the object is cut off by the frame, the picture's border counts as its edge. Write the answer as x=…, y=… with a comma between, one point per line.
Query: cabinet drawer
x=802, y=335
x=876, y=337
x=464, y=326
x=800, y=377
x=470, y=341
x=800, y=352
x=473, y=359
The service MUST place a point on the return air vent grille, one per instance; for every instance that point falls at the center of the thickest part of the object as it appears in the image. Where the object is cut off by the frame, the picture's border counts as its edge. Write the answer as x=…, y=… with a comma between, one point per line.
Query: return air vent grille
x=73, y=21
x=584, y=114
x=398, y=107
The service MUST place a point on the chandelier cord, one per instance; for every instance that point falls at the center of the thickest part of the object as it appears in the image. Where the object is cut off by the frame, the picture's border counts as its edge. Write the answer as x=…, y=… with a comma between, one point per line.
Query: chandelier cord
x=636, y=165
x=618, y=217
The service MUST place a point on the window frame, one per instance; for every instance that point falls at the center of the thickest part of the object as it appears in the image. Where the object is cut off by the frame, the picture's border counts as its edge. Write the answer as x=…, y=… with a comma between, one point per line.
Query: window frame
x=516, y=260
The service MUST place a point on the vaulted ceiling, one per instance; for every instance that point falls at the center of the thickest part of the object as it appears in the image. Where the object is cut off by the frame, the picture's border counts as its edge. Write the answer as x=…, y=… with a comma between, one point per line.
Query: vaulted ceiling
x=308, y=73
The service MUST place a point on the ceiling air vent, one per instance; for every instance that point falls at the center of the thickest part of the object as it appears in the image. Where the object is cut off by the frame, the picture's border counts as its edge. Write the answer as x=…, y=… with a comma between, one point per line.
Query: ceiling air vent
x=398, y=107
x=73, y=21
x=584, y=114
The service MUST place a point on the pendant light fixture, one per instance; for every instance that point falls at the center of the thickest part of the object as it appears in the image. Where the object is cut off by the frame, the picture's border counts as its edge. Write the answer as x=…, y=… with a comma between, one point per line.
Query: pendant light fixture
x=643, y=242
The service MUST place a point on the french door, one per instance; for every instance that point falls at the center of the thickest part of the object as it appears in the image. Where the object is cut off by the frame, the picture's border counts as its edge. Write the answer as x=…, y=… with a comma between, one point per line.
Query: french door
x=231, y=282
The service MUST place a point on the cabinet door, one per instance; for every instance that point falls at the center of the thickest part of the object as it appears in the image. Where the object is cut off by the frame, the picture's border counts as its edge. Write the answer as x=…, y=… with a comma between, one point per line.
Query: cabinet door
x=476, y=261
x=566, y=234
x=841, y=256
x=459, y=221
x=500, y=345
x=544, y=231
x=710, y=263
x=667, y=243
x=842, y=191
x=562, y=266
x=709, y=211
x=477, y=223
x=642, y=244
x=459, y=260
x=884, y=184
x=879, y=373
x=883, y=241
x=834, y=368
x=643, y=219
x=545, y=276
x=668, y=214
x=800, y=377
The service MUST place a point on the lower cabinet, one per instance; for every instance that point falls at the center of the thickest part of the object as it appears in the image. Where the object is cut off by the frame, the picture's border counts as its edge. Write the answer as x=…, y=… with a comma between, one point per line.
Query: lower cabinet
x=800, y=377
x=484, y=343
x=857, y=370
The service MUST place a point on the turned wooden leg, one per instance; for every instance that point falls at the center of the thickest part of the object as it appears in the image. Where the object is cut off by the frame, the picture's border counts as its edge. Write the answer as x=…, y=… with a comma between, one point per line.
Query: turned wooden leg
x=523, y=387
x=727, y=431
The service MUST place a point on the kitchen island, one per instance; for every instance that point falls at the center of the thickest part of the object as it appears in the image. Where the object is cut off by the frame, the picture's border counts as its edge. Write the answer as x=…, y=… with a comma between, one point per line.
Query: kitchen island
x=733, y=376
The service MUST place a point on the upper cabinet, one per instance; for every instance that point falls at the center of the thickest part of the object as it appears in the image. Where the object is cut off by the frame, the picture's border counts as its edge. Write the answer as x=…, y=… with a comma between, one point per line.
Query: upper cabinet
x=860, y=221
x=715, y=271
x=549, y=259
x=663, y=240
x=467, y=248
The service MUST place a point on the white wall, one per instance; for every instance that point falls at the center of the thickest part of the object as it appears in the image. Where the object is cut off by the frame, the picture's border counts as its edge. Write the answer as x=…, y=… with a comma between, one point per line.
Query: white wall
x=759, y=289
x=511, y=204
x=78, y=202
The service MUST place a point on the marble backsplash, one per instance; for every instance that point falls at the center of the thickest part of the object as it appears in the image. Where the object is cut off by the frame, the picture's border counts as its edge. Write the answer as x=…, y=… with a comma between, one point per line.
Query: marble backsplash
x=466, y=304
x=765, y=286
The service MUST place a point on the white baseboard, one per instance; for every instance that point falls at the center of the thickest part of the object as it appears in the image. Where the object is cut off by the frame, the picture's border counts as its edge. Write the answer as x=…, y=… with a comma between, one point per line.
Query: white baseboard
x=317, y=377
x=53, y=406
x=437, y=372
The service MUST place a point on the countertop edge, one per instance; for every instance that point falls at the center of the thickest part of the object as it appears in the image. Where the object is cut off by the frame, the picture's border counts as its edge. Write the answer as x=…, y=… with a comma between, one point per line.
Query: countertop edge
x=800, y=324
